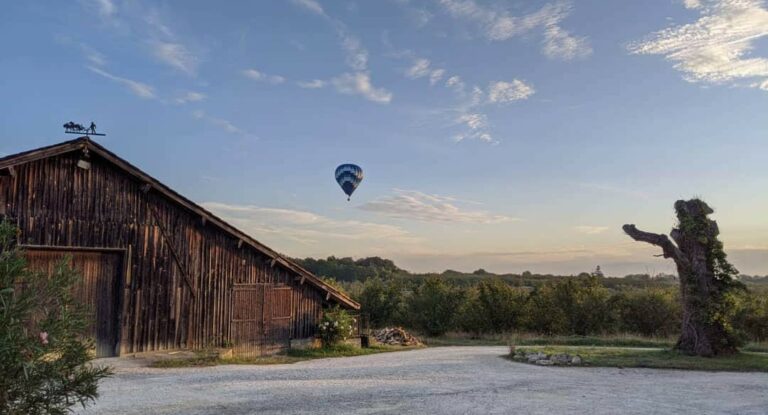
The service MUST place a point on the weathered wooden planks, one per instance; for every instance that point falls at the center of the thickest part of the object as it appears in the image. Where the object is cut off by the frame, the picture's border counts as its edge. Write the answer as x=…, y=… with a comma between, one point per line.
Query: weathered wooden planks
x=180, y=272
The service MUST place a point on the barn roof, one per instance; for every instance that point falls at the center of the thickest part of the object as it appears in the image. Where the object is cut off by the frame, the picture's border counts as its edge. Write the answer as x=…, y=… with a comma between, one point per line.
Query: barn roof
x=95, y=148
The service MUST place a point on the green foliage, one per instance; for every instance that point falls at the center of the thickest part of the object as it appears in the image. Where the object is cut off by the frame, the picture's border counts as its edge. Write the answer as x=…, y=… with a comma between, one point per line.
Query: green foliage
x=336, y=326
x=654, y=312
x=382, y=301
x=432, y=307
x=492, y=307
x=43, y=357
x=588, y=304
x=751, y=317
x=348, y=269
x=577, y=306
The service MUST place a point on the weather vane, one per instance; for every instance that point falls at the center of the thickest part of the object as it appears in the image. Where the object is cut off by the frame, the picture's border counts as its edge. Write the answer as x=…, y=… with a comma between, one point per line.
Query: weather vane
x=74, y=128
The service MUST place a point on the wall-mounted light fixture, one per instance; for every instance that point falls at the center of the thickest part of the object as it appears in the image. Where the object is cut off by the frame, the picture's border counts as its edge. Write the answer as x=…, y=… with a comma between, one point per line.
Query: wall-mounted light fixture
x=85, y=160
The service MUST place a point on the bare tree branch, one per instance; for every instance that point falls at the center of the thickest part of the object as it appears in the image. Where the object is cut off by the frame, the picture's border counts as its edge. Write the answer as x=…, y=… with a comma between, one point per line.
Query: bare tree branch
x=669, y=249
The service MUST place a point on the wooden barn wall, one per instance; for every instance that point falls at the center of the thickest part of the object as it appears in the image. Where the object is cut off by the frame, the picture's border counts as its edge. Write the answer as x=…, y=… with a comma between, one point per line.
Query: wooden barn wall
x=55, y=203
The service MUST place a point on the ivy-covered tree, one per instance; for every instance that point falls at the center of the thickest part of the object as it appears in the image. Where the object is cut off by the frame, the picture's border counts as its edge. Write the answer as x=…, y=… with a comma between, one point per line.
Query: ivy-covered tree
x=707, y=280
x=44, y=357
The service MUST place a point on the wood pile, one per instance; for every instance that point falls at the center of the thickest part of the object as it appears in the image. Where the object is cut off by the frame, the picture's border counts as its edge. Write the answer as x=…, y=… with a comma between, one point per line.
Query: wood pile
x=395, y=336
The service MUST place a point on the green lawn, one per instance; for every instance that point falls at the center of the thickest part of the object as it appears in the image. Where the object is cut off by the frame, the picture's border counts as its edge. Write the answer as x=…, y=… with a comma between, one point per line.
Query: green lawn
x=525, y=339
x=658, y=358
x=530, y=339
x=206, y=358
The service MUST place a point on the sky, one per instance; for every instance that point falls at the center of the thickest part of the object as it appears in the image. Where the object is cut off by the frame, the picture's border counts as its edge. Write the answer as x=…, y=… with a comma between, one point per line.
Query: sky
x=504, y=135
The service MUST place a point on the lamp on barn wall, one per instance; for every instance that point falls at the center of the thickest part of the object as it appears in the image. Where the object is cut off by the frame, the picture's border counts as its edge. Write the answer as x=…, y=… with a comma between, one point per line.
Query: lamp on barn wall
x=85, y=160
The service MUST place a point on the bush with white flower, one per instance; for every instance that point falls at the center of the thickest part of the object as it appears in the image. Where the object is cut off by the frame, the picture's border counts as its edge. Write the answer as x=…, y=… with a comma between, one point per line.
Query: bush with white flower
x=336, y=326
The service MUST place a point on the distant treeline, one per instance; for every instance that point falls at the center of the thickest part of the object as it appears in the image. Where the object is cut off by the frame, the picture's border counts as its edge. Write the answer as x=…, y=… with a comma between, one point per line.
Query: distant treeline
x=346, y=270
x=482, y=302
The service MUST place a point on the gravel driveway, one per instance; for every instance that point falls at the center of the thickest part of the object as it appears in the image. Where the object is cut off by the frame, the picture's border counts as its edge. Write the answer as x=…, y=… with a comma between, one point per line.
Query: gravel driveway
x=446, y=380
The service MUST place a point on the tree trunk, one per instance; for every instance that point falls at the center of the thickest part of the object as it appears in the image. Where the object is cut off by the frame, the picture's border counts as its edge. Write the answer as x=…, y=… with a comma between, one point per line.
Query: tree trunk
x=704, y=278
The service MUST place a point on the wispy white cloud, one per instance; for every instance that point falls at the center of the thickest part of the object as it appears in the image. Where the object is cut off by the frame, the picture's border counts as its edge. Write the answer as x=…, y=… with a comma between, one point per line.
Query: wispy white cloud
x=359, y=83
x=93, y=56
x=476, y=127
x=311, y=5
x=104, y=8
x=313, y=84
x=716, y=48
x=419, y=69
x=499, y=25
x=501, y=91
x=422, y=68
x=435, y=76
x=559, y=44
x=455, y=83
x=256, y=75
x=419, y=206
x=139, y=89
x=590, y=230
x=175, y=55
x=190, y=96
x=219, y=122
x=357, y=55
x=304, y=226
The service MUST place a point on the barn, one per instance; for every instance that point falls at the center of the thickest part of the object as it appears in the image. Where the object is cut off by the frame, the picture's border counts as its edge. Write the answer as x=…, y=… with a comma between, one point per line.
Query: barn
x=159, y=272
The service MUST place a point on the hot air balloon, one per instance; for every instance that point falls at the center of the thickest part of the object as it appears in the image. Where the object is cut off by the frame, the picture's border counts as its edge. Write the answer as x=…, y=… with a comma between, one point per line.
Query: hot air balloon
x=349, y=176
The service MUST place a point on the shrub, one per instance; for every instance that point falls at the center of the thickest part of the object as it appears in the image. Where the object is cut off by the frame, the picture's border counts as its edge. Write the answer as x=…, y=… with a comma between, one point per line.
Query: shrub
x=579, y=306
x=751, y=319
x=650, y=312
x=43, y=356
x=433, y=305
x=336, y=326
x=382, y=301
x=492, y=307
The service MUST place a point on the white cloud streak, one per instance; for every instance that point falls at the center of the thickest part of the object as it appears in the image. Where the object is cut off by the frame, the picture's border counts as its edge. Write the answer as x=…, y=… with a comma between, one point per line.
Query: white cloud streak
x=256, y=75
x=313, y=84
x=219, y=122
x=190, y=96
x=500, y=25
x=419, y=206
x=303, y=226
x=176, y=56
x=139, y=89
x=590, y=230
x=500, y=92
x=716, y=48
x=359, y=83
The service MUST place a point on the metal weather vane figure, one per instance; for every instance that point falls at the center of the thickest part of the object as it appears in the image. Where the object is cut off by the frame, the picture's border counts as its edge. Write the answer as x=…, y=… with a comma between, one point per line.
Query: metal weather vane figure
x=74, y=128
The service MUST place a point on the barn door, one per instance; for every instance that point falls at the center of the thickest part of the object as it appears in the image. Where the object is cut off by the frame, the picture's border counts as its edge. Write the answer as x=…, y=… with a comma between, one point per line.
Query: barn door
x=98, y=290
x=279, y=317
x=247, y=321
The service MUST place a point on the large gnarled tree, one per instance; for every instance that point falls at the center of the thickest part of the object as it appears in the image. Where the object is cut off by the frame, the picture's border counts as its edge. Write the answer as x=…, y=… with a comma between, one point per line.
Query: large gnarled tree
x=706, y=278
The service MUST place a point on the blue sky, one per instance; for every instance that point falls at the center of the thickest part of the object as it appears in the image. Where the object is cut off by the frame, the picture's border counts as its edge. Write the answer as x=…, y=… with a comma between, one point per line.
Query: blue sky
x=507, y=135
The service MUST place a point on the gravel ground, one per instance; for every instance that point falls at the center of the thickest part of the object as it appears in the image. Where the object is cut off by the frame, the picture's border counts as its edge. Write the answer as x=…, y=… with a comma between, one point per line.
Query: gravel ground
x=446, y=380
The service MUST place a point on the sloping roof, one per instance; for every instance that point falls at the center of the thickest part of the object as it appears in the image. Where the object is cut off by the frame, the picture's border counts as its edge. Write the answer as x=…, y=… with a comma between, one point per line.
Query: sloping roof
x=84, y=142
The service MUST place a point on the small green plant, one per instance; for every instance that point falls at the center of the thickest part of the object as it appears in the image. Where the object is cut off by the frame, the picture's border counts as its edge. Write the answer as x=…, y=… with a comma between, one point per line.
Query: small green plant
x=336, y=326
x=43, y=354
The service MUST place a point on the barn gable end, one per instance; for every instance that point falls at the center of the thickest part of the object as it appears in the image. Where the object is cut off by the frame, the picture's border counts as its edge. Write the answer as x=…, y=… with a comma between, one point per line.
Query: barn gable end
x=187, y=279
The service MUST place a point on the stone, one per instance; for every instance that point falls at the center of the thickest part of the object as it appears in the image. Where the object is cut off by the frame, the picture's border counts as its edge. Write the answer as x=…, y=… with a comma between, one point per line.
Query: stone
x=545, y=362
x=576, y=360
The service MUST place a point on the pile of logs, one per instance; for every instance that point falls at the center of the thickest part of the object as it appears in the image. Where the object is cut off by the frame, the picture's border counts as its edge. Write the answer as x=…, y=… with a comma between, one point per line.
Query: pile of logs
x=395, y=336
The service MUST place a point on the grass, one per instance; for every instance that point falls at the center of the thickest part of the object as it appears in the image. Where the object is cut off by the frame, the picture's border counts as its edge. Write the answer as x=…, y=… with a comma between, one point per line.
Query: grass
x=658, y=358
x=530, y=339
x=208, y=358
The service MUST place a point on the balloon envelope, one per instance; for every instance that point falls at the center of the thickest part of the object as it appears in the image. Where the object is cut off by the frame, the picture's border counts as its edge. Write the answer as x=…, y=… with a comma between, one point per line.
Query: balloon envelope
x=349, y=176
